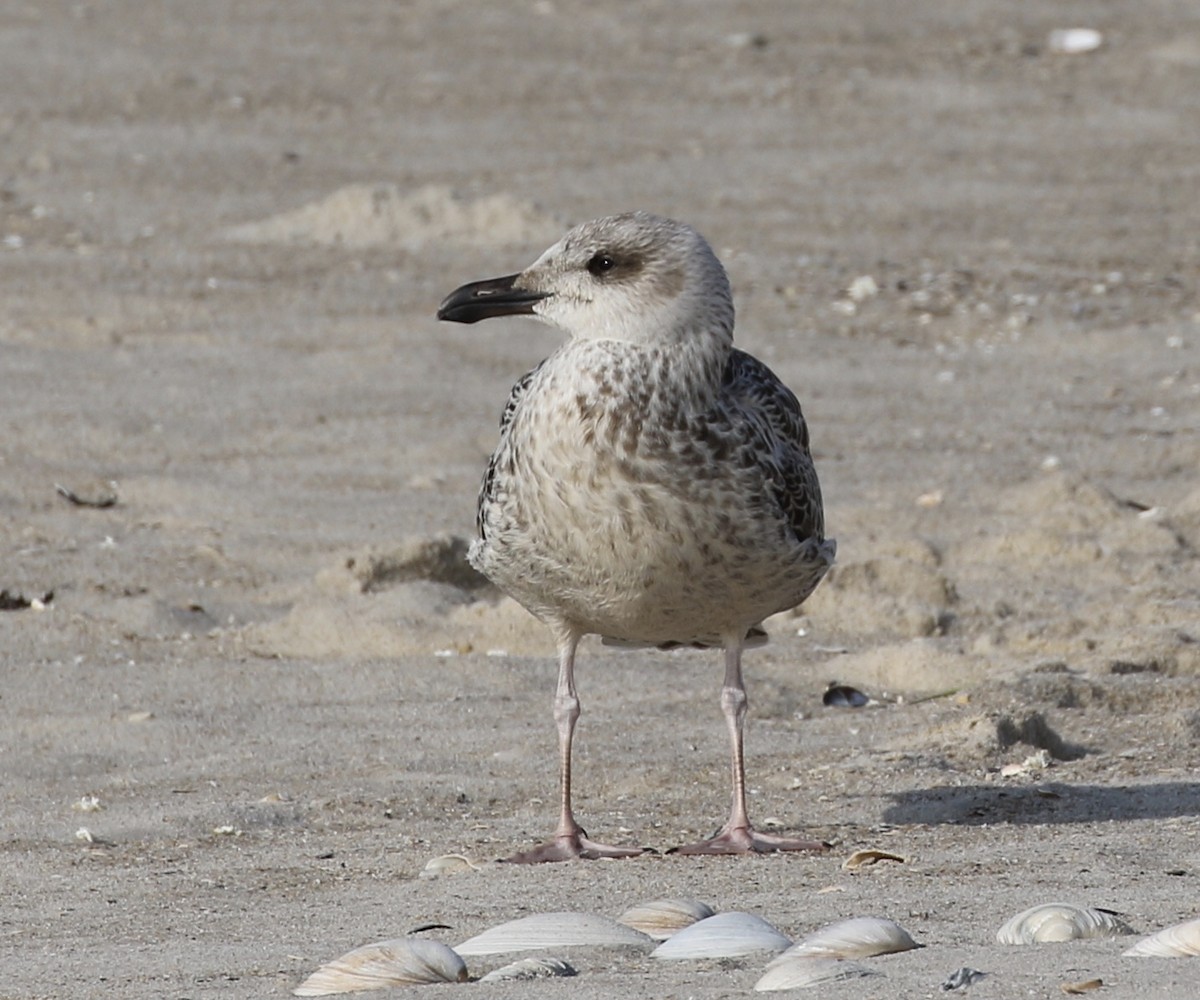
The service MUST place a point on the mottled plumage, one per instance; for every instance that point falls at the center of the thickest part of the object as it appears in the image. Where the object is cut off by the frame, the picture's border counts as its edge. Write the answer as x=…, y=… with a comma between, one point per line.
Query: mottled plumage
x=652, y=483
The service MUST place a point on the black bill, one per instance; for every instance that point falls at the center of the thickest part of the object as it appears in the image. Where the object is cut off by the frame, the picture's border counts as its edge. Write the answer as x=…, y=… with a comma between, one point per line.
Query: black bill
x=485, y=299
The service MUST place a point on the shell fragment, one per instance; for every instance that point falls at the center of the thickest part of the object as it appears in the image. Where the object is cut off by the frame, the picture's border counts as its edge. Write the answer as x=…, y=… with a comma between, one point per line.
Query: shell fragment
x=808, y=970
x=530, y=968
x=870, y=856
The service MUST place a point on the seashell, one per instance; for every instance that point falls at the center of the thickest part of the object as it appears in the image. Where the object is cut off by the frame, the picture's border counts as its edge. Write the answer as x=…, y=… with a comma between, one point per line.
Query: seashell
x=844, y=696
x=1060, y=922
x=406, y=961
x=723, y=935
x=529, y=968
x=661, y=918
x=1177, y=941
x=859, y=937
x=810, y=970
x=1074, y=989
x=1074, y=41
x=861, y=859
x=555, y=930
x=448, y=864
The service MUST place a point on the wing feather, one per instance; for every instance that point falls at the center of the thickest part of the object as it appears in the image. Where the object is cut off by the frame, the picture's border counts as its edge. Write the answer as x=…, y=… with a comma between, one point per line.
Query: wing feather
x=506, y=419
x=780, y=442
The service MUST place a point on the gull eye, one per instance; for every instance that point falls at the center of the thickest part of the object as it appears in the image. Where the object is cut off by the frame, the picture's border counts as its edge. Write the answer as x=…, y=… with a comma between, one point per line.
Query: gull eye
x=601, y=264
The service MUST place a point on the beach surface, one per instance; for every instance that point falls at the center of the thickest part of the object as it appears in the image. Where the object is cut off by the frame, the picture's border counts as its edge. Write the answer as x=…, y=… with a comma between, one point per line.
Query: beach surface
x=248, y=688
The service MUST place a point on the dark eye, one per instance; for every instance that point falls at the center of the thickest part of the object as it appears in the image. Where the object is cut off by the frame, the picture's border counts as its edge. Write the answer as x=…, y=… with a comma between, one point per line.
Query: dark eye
x=601, y=264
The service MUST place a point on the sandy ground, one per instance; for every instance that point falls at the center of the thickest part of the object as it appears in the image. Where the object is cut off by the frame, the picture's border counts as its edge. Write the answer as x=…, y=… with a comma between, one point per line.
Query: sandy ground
x=258, y=699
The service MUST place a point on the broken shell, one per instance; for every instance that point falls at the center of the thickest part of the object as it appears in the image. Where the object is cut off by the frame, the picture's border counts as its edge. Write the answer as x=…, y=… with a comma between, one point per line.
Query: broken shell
x=1176, y=941
x=555, y=930
x=661, y=918
x=724, y=935
x=1060, y=922
x=448, y=864
x=962, y=977
x=404, y=961
x=1087, y=986
x=530, y=968
x=861, y=859
x=844, y=696
x=810, y=970
x=859, y=937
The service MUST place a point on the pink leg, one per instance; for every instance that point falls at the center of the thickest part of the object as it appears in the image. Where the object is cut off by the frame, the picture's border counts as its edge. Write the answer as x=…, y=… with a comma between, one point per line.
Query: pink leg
x=569, y=840
x=737, y=836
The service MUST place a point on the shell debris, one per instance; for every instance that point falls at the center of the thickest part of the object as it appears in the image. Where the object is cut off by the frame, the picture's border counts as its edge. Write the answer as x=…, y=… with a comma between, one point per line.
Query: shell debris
x=1074, y=989
x=660, y=918
x=868, y=857
x=530, y=968
x=723, y=935
x=407, y=961
x=1177, y=941
x=1061, y=922
x=1074, y=41
x=810, y=970
x=448, y=864
x=555, y=930
x=961, y=978
x=858, y=937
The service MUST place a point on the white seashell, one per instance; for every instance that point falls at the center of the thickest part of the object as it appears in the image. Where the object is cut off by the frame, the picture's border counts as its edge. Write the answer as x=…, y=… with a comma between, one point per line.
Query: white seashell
x=1060, y=922
x=1074, y=41
x=859, y=937
x=810, y=970
x=404, y=961
x=1176, y=941
x=661, y=918
x=555, y=930
x=724, y=935
x=448, y=864
x=529, y=968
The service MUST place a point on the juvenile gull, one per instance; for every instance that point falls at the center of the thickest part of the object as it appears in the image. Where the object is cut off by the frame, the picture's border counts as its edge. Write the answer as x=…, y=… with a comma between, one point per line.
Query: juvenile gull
x=652, y=485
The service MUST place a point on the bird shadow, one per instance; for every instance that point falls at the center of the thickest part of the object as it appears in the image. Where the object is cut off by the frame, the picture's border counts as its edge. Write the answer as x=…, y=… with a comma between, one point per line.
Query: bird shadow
x=1043, y=804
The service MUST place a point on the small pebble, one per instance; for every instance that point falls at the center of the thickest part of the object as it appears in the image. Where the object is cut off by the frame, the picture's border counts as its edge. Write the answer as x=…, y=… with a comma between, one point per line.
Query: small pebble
x=1074, y=41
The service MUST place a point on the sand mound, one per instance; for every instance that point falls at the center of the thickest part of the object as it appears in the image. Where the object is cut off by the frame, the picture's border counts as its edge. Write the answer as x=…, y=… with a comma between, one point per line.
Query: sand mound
x=420, y=596
x=989, y=736
x=371, y=215
x=1186, y=519
x=1064, y=520
x=440, y=559
x=903, y=592
x=915, y=668
x=415, y=617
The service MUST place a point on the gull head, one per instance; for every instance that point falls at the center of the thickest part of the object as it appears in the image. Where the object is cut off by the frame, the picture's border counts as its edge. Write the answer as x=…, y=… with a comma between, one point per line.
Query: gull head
x=636, y=277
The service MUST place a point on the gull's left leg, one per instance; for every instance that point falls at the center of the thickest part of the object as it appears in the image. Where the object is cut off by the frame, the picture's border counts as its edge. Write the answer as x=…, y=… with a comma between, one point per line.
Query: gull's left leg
x=737, y=836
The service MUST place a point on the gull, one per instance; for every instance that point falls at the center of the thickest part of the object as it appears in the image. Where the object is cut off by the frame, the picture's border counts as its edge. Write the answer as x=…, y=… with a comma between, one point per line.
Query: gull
x=653, y=484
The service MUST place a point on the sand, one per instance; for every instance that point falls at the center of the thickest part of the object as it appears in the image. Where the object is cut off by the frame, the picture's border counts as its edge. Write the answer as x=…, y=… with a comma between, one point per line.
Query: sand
x=252, y=697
